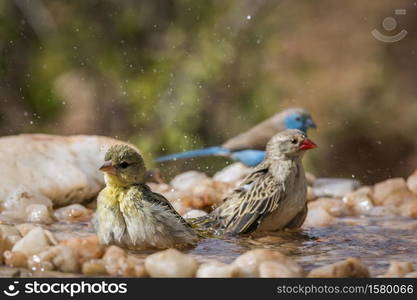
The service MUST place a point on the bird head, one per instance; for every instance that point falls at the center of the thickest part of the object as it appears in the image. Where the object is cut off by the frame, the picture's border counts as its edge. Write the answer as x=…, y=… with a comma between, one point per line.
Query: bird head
x=124, y=165
x=289, y=143
x=298, y=118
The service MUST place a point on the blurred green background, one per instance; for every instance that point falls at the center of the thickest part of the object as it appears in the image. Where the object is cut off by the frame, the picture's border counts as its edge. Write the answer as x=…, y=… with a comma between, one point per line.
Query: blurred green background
x=182, y=74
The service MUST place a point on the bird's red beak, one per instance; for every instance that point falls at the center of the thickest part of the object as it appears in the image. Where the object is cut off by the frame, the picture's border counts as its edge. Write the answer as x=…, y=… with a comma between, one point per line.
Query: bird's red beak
x=108, y=168
x=307, y=144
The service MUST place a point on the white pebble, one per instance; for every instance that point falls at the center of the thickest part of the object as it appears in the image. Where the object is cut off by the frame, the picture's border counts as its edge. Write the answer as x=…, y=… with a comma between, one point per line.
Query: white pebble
x=33, y=242
x=171, y=263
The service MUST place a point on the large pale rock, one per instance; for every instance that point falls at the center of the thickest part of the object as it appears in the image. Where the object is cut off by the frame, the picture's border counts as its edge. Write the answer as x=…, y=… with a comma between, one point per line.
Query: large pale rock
x=392, y=192
x=33, y=242
x=37, y=168
x=248, y=264
x=351, y=267
x=171, y=263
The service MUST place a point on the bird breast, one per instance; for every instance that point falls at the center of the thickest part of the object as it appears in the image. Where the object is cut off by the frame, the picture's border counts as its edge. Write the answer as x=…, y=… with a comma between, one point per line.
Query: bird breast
x=295, y=189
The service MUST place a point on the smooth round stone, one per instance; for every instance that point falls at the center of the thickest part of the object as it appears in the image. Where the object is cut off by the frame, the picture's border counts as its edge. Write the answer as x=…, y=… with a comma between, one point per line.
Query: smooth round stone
x=171, y=263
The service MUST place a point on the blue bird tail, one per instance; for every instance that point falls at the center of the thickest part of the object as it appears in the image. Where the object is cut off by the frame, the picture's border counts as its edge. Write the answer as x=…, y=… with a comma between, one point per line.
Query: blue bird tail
x=251, y=158
x=195, y=153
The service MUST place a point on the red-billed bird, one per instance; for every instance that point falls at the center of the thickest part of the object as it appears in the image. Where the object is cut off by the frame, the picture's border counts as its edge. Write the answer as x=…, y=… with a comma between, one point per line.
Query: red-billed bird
x=272, y=197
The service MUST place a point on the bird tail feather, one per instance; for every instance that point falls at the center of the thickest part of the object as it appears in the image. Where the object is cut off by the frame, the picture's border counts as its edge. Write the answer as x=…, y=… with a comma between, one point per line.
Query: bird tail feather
x=195, y=153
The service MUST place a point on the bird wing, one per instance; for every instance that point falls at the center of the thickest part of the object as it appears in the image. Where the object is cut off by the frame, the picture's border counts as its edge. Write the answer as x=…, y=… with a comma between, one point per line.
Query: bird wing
x=161, y=200
x=257, y=197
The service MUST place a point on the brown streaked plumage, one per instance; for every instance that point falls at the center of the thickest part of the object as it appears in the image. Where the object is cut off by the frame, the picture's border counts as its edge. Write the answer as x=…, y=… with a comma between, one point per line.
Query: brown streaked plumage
x=273, y=196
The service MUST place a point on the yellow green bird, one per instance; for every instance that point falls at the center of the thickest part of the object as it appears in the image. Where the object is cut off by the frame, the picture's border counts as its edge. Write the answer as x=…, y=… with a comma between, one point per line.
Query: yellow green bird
x=129, y=214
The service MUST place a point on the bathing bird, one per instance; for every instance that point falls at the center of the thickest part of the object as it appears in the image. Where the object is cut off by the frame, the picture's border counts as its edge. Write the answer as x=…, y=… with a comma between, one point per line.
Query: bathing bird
x=129, y=214
x=272, y=197
x=248, y=147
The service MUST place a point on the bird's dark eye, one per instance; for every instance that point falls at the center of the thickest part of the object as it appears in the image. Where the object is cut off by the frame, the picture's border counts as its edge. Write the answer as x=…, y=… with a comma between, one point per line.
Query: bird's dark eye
x=294, y=141
x=123, y=165
x=298, y=119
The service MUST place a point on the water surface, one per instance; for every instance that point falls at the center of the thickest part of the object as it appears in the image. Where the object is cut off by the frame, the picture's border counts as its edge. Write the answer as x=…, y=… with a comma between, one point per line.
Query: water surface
x=375, y=240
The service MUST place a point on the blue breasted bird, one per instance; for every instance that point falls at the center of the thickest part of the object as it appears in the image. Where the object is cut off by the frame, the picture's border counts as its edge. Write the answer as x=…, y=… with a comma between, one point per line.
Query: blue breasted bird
x=248, y=147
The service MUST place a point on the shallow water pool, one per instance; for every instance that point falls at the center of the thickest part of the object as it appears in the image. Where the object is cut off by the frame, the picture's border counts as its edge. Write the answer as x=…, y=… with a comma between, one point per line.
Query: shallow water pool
x=375, y=240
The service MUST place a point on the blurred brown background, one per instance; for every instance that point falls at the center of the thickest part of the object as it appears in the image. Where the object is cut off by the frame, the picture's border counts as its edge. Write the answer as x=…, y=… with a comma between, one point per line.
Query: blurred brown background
x=182, y=74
